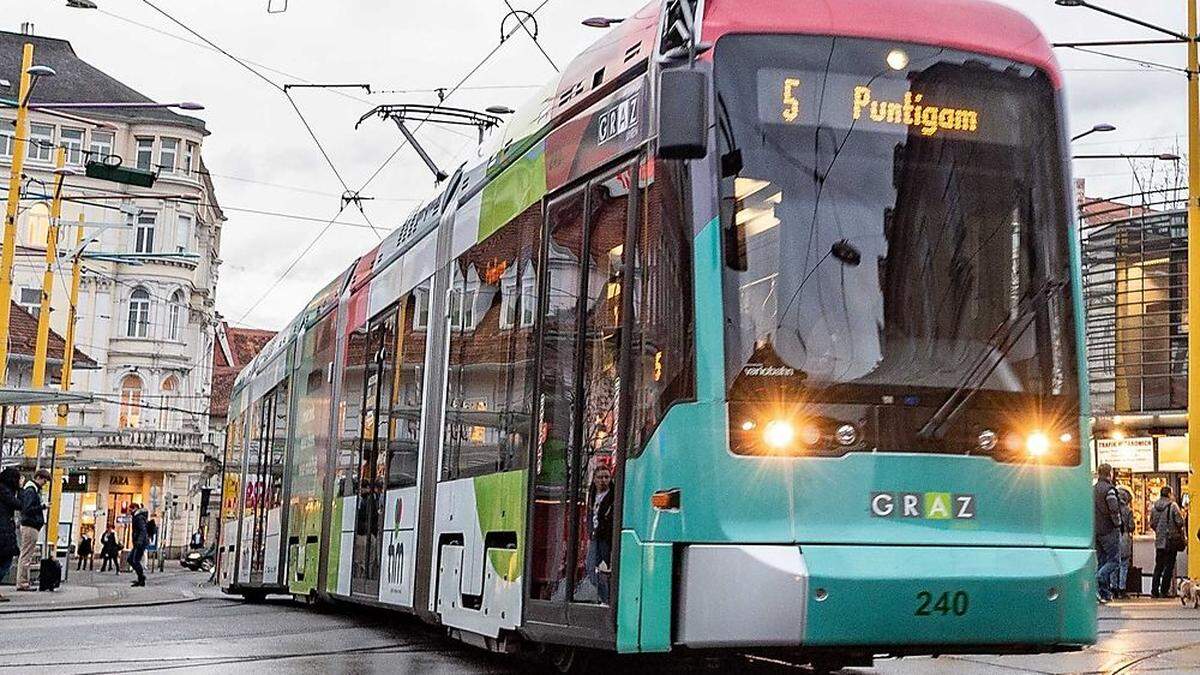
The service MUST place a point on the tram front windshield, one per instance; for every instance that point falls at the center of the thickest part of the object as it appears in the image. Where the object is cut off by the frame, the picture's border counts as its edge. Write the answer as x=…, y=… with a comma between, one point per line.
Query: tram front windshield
x=894, y=225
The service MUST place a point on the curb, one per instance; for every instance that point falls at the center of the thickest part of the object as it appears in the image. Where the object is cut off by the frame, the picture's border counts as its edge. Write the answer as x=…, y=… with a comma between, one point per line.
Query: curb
x=114, y=605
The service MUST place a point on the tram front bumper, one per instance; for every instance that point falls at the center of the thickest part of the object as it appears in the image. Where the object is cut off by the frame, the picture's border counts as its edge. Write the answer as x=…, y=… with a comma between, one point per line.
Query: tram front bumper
x=894, y=599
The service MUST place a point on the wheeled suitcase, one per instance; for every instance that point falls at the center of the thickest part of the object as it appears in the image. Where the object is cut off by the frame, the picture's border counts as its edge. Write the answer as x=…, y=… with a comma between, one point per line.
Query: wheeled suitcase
x=49, y=574
x=1133, y=580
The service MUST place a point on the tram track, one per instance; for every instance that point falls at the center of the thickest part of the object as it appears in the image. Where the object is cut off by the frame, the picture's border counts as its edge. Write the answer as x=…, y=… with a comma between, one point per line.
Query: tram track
x=1126, y=667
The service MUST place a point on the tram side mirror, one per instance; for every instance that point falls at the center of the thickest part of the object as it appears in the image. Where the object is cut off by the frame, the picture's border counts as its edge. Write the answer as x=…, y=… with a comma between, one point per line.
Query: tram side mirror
x=682, y=114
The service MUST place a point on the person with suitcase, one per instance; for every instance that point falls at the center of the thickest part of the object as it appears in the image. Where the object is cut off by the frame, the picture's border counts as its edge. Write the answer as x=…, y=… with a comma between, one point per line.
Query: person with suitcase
x=33, y=519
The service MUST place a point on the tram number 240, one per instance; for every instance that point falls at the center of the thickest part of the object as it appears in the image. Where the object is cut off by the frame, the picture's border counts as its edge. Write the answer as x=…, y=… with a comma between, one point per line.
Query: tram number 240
x=948, y=603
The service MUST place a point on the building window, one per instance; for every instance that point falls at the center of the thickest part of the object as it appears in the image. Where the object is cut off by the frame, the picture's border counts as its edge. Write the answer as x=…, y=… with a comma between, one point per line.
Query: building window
x=528, y=296
x=139, y=313
x=145, y=153
x=168, y=154
x=178, y=312
x=510, y=298
x=101, y=147
x=144, y=235
x=183, y=233
x=41, y=142
x=170, y=399
x=421, y=315
x=189, y=159
x=72, y=139
x=31, y=300
x=131, y=402
x=6, y=142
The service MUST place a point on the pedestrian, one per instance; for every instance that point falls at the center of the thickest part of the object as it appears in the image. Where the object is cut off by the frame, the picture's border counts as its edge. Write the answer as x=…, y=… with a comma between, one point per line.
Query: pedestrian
x=109, y=550
x=600, y=512
x=84, y=553
x=10, y=504
x=1166, y=518
x=33, y=519
x=197, y=540
x=1107, y=508
x=141, y=539
x=1121, y=577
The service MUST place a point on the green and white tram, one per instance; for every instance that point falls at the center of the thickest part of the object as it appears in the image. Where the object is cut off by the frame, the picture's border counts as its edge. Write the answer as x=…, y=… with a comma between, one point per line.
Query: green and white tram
x=758, y=330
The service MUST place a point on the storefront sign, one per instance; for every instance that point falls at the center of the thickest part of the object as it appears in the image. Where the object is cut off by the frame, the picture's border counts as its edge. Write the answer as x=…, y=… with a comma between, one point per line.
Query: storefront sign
x=1173, y=453
x=1135, y=454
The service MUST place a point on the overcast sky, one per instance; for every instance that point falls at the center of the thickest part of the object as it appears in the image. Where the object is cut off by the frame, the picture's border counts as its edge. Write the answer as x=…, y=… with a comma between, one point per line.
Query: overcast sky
x=262, y=159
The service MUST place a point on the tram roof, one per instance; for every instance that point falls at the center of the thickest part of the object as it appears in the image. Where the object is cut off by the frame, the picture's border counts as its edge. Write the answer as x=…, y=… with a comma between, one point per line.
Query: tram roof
x=969, y=25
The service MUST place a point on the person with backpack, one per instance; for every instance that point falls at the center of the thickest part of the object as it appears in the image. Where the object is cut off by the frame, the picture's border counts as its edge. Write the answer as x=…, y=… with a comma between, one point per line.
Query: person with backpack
x=1107, y=508
x=1166, y=519
x=1121, y=576
x=33, y=519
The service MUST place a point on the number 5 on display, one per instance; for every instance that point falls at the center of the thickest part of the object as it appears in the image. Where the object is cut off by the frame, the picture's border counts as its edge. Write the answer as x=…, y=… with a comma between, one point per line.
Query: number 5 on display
x=791, y=104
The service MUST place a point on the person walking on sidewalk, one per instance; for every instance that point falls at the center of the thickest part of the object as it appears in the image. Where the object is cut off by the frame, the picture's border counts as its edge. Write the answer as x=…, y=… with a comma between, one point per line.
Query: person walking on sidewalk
x=1107, y=507
x=1166, y=518
x=109, y=550
x=33, y=519
x=10, y=504
x=84, y=553
x=141, y=539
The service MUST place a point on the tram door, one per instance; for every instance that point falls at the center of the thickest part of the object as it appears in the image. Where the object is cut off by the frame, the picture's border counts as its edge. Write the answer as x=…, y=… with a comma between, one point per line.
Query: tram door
x=256, y=484
x=377, y=361
x=571, y=580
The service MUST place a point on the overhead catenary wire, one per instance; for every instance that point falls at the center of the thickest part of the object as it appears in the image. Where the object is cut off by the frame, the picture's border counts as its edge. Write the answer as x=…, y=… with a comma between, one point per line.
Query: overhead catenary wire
x=292, y=265
x=303, y=120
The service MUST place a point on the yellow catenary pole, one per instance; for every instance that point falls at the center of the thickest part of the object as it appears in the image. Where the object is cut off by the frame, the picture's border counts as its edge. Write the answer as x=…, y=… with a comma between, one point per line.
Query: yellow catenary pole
x=68, y=363
x=38, y=379
x=1193, y=286
x=10, y=215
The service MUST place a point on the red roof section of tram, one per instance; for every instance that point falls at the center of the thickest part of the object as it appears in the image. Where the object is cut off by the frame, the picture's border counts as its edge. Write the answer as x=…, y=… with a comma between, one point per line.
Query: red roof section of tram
x=968, y=25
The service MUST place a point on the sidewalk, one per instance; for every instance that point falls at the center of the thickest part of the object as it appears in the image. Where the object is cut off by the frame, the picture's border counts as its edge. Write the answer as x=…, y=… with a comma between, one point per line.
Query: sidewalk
x=84, y=589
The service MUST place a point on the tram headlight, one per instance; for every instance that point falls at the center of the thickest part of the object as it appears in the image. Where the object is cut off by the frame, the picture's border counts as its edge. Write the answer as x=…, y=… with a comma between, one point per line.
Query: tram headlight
x=1037, y=444
x=779, y=434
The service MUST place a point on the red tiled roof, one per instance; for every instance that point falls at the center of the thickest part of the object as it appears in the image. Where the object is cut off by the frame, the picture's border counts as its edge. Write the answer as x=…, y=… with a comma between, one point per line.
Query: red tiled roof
x=22, y=339
x=244, y=345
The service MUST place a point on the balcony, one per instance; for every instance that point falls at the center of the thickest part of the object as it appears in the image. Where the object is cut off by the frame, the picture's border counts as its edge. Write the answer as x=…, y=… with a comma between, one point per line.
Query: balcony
x=150, y=439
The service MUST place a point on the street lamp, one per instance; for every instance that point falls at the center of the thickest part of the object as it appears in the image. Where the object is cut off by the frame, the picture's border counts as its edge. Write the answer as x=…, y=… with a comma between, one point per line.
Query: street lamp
x=81, y=4
x=1099, y=128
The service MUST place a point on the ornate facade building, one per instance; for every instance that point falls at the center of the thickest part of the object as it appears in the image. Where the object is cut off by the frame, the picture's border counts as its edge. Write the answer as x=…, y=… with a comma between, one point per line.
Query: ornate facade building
x=146, y=310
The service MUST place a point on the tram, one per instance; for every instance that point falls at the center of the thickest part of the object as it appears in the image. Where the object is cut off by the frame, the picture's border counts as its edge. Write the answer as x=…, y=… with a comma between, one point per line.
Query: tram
x=759, y=330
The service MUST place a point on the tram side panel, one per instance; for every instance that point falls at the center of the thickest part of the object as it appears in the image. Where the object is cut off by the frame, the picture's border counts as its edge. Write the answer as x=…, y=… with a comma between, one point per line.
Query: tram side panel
x=231, y=494
x=307, y=467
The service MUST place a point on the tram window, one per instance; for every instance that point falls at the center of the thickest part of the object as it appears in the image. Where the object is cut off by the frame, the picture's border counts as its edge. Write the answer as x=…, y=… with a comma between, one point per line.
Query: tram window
x=556, y=419
x=609, y=209
x=664, y=347
x=408, y=382
x=490, y=389
x=350, y=414
x=278, y=441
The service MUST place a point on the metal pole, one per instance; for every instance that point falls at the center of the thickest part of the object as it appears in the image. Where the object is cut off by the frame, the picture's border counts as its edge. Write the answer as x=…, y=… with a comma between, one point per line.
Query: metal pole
x=68, y=360
x=1193, y=548
x=14, y=197
x=38, y=379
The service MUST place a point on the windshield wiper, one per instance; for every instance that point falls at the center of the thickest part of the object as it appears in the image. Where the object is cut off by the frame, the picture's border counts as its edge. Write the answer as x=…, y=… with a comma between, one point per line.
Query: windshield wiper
x=1003, y=339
